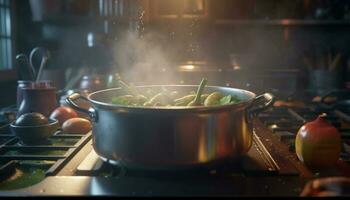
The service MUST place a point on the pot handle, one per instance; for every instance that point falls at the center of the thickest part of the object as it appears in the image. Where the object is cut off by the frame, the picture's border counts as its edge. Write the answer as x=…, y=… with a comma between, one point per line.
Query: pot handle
x=261, y=103
x=75, y=96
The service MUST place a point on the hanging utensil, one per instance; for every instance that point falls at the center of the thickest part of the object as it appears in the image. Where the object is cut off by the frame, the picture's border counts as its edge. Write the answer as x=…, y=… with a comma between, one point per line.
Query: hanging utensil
x=42, y=65
x=26, y=72
x=44, y=54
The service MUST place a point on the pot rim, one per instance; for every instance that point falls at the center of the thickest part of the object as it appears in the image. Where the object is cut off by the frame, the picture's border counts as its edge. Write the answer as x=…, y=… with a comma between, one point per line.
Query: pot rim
x=251, y=96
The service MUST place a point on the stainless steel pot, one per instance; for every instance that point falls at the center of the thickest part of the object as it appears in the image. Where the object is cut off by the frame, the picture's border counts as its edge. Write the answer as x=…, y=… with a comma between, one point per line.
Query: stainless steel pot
x=171, y=137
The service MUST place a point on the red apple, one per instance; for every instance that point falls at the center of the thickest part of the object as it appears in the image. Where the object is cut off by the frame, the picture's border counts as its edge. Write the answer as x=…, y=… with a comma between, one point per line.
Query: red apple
x=63, y=113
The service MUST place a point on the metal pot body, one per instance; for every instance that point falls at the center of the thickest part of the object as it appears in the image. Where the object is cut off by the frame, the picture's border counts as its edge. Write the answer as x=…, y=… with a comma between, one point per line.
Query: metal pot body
x=171, y=137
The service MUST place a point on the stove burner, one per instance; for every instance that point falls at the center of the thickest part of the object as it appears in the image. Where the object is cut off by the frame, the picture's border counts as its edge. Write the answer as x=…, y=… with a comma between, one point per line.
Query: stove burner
x=34, y=162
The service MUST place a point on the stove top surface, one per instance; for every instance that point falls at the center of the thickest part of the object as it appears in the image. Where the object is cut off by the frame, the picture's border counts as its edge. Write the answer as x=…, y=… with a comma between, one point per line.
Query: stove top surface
x=256, y=173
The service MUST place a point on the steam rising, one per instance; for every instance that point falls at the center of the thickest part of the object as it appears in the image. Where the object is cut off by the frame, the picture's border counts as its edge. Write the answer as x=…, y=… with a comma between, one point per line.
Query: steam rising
x=145, y=60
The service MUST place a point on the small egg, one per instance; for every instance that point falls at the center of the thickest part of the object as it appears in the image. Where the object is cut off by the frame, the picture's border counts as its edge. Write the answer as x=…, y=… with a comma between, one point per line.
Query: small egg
x=76, y=126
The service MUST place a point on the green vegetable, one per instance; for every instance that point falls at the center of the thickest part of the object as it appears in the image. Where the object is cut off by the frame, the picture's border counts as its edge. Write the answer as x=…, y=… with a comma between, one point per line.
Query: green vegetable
x=129, y=100
x=123, y=100
x=197, y=100
x=140, y=99
x=235, y=99
x=169, y=98
x=213, y=99
x=183, y=101
x=159, y=100
x=225, y=100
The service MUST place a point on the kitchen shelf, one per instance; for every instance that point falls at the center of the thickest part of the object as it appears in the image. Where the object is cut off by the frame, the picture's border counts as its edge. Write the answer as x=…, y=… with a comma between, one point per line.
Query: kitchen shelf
x=76, y=19
x=284, y=22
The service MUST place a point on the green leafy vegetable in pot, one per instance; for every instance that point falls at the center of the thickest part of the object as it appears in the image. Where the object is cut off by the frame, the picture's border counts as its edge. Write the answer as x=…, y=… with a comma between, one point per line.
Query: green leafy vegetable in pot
x=172, y=98
x=123, y=100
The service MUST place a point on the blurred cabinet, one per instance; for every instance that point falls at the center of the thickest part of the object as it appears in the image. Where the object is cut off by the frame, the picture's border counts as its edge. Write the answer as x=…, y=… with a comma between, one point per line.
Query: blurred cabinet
x=176, y=9
x=232, y=9
x=44, y=10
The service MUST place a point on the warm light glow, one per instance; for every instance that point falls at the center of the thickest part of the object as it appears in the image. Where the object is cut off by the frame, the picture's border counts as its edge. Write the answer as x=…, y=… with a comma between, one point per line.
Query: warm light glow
x=187, y=67
x=236, y=67
x=285, y=21
x=193, y=62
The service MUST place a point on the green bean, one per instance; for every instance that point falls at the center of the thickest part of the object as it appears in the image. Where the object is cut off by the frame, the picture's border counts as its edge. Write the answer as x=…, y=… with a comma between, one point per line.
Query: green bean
x=197, y=100
x=140, y=99
x=158, y=99
x=168, y=98
x=184, y=101
x=147, y=104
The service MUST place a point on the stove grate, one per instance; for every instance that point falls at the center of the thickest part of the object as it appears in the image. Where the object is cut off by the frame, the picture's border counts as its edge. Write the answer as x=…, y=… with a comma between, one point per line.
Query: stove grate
x=286, y=121
x=49, y=157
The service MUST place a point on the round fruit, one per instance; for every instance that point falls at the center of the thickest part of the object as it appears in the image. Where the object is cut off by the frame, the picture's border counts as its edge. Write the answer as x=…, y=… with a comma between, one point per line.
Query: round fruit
x=318, y=144
x=63, y=113
x=31, y=119
x=76, y=126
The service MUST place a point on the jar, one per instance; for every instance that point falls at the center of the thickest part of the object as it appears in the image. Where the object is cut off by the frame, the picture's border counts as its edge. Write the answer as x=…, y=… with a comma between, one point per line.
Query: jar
x=92, y=83
x=41, y=100
x=22, y=84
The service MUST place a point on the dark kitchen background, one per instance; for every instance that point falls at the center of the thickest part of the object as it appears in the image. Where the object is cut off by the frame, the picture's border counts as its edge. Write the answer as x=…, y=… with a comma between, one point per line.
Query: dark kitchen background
x=279, y=46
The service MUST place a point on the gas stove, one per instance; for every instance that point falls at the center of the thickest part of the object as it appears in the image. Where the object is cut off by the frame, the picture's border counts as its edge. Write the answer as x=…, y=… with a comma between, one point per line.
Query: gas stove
x=68, y=165
x=87, y=174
